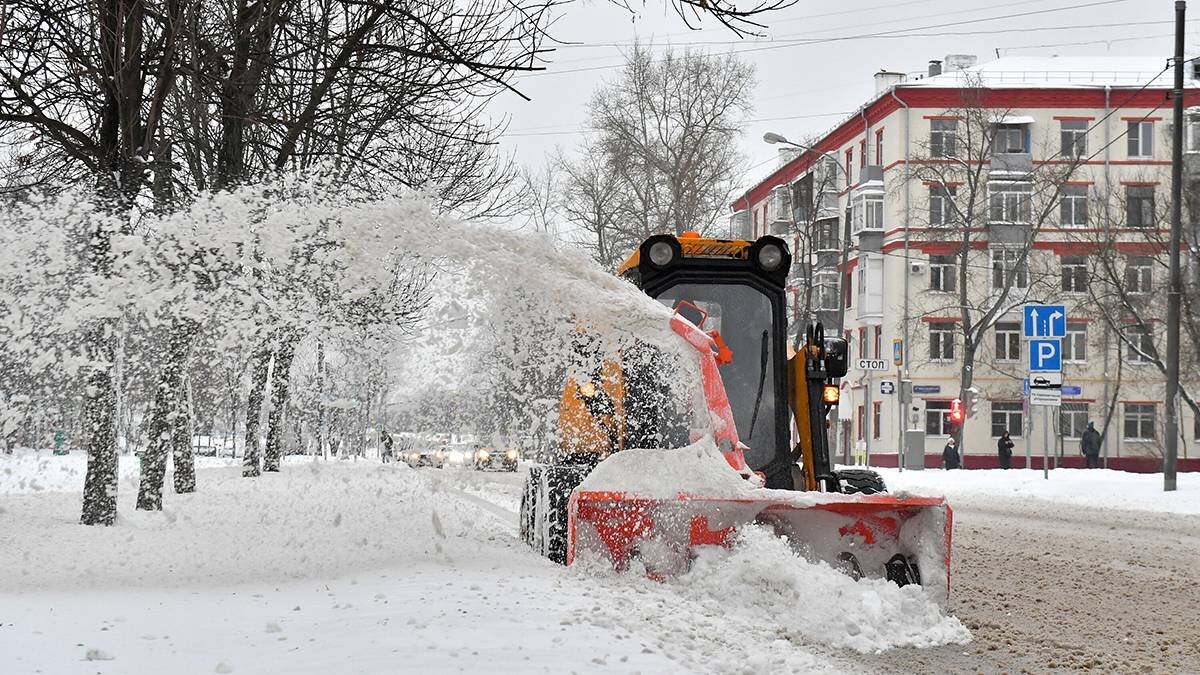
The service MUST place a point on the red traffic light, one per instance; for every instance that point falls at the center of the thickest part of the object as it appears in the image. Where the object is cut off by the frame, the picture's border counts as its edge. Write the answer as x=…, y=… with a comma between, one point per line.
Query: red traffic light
x=956, y=411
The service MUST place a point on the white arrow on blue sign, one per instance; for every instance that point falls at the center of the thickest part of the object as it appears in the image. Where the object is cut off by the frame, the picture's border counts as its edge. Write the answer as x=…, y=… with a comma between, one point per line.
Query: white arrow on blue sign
x=1045, y=355
x=1045, y=321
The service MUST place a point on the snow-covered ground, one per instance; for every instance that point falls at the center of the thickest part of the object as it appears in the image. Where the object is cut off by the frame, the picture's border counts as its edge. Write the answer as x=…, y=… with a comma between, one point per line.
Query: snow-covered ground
x=1095, y=488
x=346, y=566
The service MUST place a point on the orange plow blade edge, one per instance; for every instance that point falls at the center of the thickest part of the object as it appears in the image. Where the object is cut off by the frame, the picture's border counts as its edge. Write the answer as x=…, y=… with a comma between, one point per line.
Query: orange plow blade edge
x=864, y=535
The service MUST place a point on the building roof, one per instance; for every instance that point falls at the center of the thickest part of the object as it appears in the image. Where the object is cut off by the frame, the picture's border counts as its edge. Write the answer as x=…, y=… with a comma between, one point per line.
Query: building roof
x=1033, y=74
x=1059, y=72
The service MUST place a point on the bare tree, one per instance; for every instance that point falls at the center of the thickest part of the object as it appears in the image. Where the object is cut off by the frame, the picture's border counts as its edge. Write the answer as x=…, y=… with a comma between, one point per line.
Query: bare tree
x=668, y=128
x=590, y=198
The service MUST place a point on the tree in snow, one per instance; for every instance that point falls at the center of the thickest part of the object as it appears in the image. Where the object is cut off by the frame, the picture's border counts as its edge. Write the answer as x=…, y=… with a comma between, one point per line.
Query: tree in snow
x=666, y=130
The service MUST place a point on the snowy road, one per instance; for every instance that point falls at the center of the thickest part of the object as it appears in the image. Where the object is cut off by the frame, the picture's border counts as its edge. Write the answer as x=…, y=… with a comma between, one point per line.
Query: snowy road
x=360, y=568
x=1048, y=588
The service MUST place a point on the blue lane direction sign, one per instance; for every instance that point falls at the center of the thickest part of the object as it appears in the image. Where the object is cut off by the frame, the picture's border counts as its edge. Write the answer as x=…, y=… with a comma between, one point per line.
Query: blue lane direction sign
x=1045, y=321
x=1045, y=356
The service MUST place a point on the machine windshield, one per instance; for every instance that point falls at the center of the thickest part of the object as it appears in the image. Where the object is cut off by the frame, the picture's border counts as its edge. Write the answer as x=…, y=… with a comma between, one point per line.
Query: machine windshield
x=742, y=314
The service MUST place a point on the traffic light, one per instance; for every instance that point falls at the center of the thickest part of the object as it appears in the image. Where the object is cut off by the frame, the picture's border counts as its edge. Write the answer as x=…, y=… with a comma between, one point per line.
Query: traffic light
x=956, y=411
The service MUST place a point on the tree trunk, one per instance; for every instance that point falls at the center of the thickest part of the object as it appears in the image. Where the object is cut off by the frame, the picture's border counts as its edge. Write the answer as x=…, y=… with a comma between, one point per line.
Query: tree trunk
x=182, y=456
x=99, y=406
x=260, y=369
x=320, y=399
x=279, y=399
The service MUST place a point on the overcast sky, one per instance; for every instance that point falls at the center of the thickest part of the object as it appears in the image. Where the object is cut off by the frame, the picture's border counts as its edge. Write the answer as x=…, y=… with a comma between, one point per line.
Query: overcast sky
x=805, y=88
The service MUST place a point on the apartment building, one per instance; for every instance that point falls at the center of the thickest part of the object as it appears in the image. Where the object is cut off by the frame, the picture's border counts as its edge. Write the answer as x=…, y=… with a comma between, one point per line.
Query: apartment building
x=990, y=185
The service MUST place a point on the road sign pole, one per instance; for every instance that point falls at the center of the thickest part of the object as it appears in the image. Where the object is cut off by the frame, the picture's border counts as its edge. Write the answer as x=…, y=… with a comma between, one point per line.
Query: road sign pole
x=868, y=418
x=901, y=446
x=1046, y=442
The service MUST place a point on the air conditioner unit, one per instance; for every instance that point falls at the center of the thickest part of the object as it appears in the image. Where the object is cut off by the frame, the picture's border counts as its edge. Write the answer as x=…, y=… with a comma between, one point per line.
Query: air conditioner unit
x=916, y=267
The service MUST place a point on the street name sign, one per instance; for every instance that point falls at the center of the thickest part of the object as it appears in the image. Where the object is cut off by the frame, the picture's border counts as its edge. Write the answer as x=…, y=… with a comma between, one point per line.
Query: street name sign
x=1045, y=321
x=873, y=364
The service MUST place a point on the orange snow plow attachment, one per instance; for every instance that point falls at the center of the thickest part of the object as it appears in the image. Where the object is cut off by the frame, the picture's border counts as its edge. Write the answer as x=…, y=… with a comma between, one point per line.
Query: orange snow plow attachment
x=904, y=539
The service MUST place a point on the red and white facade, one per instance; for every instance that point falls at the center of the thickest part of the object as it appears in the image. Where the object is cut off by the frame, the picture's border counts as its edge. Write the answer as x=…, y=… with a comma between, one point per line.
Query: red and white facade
x=896, y=263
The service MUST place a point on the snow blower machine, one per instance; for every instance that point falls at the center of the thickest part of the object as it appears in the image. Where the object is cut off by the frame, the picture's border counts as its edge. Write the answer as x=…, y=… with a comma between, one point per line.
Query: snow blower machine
x=617, y=493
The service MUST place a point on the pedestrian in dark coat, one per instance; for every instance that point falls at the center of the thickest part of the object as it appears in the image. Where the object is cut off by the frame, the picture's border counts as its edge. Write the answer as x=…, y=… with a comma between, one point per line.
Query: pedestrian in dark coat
x=950, y=459
x=1089, y=445
x=1004, y=448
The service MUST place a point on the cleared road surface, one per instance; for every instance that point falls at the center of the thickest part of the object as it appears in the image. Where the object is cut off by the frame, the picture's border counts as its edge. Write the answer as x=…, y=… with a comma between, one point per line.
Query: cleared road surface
x=1049, y=588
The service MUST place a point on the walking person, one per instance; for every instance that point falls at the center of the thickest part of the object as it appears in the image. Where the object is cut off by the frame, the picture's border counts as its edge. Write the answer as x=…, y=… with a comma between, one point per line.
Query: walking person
x=950, y=459
x=1089, y=445
x=1004, y=448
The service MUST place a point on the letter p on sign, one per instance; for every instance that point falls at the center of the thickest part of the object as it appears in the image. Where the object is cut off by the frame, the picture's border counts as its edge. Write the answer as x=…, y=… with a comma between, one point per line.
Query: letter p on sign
x=1045, y=355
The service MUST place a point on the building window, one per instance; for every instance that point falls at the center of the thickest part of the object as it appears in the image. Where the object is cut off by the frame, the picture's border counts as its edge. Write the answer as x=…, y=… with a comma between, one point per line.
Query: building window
x=941, y=341
x=937, y=418
x=943, y=137
x=827, y=235
x=868, y=214
x=861, y=422
x=1139, y=344
x=1139, y=422
x=878, y=341
x=826, y=291
x=848, y=290
x=1073, y=211
x=1140, y=139
x=849, y=166
x=876, y=418
x=862, y=153
x=943, y=273
x=1139, y=205
x=1193, y=145
x=1010, y=138
x=1074, y=274
x=1008, y=267
x=1073, y=419
x=1008, y=341
x=862, y=342
x=1075, y=343
x=1138, y=275
x=1009, y=202
x=1074, y=138
x=879, y=148
x=1006, y=416
x=941, y=205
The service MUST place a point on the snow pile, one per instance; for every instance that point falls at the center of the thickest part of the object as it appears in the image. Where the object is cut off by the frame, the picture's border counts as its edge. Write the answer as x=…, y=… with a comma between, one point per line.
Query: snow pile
x=314, y=519
x=1090, y=488
x=764, y=581
x=662, y=474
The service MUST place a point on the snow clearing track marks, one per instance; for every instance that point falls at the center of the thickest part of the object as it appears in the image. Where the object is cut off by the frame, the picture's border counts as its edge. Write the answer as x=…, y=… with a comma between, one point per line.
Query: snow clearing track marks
x=1053, y=588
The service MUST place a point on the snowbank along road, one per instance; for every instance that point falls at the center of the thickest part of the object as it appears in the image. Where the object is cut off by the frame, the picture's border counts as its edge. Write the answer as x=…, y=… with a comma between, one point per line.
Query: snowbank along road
x=358, y=567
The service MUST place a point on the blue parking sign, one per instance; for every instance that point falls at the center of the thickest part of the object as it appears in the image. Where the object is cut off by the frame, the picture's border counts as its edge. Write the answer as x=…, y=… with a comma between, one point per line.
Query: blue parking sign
x=1045, y=355
x=1045, y=321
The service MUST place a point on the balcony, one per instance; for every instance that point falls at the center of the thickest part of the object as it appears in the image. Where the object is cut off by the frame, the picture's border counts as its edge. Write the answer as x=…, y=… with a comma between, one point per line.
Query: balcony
x=1011, y=164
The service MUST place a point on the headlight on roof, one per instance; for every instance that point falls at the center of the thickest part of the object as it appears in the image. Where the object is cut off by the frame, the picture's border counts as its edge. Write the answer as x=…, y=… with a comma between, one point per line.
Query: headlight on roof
x=662, y=251
x=770, y=257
